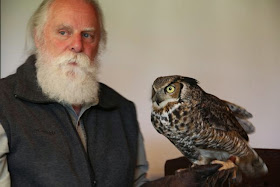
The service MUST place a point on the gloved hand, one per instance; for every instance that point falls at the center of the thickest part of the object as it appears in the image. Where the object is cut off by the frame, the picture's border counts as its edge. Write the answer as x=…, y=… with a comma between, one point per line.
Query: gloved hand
x=206, y=175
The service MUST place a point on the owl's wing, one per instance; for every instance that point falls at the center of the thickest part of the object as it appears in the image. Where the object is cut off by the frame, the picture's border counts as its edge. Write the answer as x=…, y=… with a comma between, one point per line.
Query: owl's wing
x=217, y=114
x=242, y=115
x=238, y=111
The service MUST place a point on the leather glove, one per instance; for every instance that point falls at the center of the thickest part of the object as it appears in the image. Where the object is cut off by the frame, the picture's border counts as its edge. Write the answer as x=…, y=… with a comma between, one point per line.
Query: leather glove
x=205, y=175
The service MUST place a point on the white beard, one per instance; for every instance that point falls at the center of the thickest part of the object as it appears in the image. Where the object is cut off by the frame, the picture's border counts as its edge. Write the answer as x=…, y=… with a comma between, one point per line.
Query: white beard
x=67, y=83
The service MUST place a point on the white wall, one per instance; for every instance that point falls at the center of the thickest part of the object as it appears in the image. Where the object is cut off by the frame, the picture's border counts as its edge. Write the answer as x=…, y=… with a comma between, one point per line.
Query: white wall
x=231, y=46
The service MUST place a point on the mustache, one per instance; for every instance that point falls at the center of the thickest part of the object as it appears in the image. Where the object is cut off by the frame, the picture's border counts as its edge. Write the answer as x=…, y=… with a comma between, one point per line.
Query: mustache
x=81, y=59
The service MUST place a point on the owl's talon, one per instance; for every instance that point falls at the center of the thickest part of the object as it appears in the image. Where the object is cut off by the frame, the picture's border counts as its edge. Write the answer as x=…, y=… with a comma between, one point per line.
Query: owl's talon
x=193, y=165
x=180, y=170
x=229, y=164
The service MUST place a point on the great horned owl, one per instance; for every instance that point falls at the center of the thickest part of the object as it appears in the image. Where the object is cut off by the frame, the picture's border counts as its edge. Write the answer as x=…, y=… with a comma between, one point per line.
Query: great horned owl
x=200, y=125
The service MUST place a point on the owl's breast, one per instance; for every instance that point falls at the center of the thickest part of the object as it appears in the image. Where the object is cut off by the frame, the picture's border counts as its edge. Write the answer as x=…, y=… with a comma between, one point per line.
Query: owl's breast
x=182, y=127
x=176, y=121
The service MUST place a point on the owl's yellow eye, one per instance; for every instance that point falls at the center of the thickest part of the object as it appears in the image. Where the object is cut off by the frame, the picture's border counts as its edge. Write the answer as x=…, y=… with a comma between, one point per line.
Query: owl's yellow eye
x=170, y=89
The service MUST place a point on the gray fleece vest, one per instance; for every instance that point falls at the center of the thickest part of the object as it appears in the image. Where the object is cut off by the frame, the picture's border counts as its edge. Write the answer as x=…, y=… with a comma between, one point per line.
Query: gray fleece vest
x=45, y=149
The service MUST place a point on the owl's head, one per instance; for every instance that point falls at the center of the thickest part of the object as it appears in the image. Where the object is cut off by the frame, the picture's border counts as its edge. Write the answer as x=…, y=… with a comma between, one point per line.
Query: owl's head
x=173, y=89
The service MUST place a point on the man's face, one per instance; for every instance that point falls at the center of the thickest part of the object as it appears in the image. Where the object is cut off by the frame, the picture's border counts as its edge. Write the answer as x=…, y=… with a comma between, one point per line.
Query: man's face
x=72, y=26
x=67, y=60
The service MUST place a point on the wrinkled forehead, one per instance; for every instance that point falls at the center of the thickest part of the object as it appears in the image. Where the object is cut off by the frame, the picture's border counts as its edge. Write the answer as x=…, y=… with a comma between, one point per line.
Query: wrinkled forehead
x=164, y=81
x=72, y=9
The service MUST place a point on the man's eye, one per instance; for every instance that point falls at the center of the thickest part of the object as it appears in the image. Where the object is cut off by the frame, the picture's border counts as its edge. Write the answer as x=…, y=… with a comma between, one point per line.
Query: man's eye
x=87, y=35
x=62, y=33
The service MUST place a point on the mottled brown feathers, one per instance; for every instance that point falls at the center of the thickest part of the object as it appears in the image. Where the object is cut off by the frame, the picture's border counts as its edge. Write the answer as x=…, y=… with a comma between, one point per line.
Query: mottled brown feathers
x=200, y=125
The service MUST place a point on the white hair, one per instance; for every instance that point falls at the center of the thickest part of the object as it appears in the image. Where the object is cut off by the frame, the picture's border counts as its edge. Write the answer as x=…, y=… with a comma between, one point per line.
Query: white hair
x=39, y=19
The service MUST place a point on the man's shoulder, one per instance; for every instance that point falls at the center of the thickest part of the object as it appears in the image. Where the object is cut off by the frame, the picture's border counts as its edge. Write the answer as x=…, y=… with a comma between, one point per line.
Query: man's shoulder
x=10, y=81
x=111, y=97
x=7, y=83
x=112, y=100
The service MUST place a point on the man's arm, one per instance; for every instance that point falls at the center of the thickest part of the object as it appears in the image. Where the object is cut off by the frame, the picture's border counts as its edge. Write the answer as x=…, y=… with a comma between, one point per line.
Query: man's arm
x=142, y=165
x=5, y=179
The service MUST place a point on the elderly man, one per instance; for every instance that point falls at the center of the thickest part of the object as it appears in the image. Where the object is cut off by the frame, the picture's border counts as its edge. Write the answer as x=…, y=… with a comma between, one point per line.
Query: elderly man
x=59, y=125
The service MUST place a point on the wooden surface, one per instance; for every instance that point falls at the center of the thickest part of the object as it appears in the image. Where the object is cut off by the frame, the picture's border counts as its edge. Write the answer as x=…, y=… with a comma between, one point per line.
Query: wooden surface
x=270, y=156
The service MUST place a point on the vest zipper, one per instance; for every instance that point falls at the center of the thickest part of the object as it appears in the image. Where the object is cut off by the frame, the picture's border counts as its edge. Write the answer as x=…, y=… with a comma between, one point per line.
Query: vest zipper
x=90, y=169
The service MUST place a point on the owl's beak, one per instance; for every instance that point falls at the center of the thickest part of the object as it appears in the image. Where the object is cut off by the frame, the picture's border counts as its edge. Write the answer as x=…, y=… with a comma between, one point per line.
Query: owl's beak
x=157, y=99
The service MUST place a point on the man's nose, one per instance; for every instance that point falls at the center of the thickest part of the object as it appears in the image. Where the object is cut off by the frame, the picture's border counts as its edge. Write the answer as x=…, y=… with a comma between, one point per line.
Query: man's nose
x=77, y=43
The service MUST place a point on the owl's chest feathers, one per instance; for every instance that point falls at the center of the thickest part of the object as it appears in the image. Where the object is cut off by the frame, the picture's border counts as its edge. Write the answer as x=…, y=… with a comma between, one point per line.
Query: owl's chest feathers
x=181, y=125
x=175, y=123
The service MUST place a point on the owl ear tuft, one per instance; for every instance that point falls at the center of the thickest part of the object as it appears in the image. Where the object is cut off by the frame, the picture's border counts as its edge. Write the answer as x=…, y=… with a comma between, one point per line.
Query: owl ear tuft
x=191, y=81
